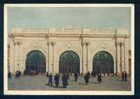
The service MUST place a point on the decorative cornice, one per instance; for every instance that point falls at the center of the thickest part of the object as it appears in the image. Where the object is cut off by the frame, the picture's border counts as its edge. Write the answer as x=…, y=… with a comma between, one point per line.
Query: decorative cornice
x=44, y=35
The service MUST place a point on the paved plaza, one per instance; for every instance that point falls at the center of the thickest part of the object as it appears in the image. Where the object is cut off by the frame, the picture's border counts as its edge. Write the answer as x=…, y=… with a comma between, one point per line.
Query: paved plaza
x=39, y=82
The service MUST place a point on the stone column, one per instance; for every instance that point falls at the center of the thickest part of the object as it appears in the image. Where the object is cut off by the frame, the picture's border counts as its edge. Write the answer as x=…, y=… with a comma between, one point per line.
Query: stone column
x=11, y=57
x=118, y=58
x=52, y=46
x=87, y=67
x=124, y=55
x=84, y=57
x=16, y=62
x=127, y=55
x=19, y=44
x=22, y=61
x=121, y=62
x=82, y=45
x=48, y=44
x=11, y=54
x=18, y=58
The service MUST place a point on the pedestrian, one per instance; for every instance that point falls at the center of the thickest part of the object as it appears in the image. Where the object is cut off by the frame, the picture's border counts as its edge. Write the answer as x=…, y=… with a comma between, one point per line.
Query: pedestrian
x=47, y=74
x=125, y=76
x=75, y=77
x=81, y=74
x=56, y=79
x=122, y=76
x=50, y=82
x=18, y=73
x=92, y=73
x=86, y=78
x=67, y=76
x=9, y=75
x=65, y=80
x=99, y=78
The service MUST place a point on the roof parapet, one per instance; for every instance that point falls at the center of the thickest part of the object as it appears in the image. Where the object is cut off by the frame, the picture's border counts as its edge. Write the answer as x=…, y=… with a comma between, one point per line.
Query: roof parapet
x=70, y=30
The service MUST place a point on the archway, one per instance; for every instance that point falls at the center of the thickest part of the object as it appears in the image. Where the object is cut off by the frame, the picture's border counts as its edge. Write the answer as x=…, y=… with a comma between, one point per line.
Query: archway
x=69, y=62
x=35, y=62
x=103, y=63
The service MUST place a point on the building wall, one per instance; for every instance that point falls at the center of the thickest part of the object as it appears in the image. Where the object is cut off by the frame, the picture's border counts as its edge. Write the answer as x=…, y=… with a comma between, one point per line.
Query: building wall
x=53, y=46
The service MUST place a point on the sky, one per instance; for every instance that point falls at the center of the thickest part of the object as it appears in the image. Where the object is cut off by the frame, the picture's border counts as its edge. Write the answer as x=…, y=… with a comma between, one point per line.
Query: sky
x=84, y=17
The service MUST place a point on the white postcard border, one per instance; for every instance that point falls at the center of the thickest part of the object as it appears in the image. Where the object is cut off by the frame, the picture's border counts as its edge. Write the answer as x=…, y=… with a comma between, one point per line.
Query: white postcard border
x=19, y=92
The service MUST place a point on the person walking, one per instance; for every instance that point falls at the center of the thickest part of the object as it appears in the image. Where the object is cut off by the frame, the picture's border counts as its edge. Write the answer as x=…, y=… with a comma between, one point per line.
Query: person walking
x=9, y=75
x=56, y=79
x=122, y=76
x=47, y=74
x=86, y=78
x=125, y=76
x=75, y=77
x=50, y=82
x=92, y=73
x=18, y=74
x=65, y=80
x=99, y=78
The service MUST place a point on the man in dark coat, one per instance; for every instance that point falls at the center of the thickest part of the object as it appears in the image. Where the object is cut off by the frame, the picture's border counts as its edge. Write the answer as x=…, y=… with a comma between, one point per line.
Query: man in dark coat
x=75, y=77
x=9, y=75
x=92, y=73
x=18, y=74
x=47, y=74
x=86, y=77
x=56, y=79
x=99, y=77
x=122, y=76
x=125, y=76
x=65, y=80
x=50, y=82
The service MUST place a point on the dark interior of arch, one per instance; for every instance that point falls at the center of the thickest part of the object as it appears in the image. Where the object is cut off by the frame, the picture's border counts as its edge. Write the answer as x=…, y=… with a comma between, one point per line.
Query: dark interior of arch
x=103, y=62
x=69, y=62
x=35, y=62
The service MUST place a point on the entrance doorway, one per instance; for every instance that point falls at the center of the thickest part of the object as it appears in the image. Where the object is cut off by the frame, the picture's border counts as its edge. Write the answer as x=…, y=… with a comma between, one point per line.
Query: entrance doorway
x=103, y=63
x=35, y=62
x=69, y=62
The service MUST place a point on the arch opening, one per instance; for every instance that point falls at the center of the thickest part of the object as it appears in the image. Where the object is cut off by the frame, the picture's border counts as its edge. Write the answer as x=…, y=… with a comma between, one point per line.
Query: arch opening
x=103, y=63
x=35, y=62
x=69, y=62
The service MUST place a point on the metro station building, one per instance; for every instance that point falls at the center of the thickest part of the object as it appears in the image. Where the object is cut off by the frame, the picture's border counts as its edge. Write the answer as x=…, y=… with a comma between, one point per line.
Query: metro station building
x=98, y=50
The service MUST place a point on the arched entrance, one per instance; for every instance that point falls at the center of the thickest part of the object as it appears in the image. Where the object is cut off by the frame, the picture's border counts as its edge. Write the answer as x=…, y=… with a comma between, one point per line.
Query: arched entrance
x=103, y=63
x=35, y=62
x=69, y=62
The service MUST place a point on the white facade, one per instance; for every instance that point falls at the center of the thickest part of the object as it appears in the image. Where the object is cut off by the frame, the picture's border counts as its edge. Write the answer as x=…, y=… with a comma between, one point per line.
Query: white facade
x=53, y=42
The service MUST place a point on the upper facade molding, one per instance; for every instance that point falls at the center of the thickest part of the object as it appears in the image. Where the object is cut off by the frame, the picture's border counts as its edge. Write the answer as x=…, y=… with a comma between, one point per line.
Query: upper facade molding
x=70, y=32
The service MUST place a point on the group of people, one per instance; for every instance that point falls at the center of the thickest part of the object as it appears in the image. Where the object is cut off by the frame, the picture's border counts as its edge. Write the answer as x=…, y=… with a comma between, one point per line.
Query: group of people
x=87, y=77
x=54, y=80
x=18, y=74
